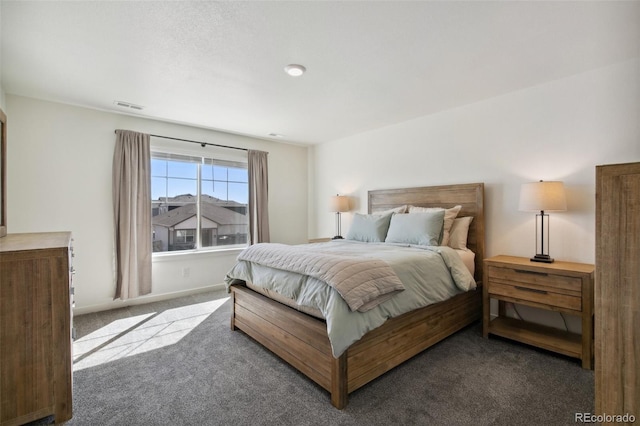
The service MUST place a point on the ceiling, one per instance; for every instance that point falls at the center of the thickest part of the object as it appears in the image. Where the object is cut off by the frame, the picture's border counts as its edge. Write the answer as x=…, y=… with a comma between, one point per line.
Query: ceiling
x=219, y=65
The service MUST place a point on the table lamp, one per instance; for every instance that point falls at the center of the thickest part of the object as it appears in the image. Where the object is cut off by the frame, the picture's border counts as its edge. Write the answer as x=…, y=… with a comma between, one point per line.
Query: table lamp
x=338, y=204
x=543, y=196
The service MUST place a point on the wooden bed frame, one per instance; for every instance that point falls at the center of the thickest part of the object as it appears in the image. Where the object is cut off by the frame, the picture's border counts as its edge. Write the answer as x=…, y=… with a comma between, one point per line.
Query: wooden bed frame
x=302, y=341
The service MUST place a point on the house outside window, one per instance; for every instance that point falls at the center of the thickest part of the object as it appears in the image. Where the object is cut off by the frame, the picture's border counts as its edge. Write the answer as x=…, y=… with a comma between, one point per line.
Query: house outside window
x=198, y=202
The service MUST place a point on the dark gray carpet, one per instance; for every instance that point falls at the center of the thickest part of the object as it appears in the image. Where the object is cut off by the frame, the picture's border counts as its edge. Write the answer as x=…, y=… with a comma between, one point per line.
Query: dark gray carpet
x=214, y=376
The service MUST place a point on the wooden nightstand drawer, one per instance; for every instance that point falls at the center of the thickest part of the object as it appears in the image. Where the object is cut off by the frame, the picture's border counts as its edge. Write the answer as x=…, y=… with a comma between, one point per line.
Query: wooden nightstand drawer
x=545, y=288
x=529, y=294
x=562, y=283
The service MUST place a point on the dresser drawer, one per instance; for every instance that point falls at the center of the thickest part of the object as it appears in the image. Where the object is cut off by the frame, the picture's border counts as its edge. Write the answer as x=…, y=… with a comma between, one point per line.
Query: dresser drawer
x=546, y=288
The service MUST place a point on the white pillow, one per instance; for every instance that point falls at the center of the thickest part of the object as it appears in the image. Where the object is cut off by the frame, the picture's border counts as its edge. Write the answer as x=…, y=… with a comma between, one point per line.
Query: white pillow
x=449, y=217
x=397, y=210
x=459, y=233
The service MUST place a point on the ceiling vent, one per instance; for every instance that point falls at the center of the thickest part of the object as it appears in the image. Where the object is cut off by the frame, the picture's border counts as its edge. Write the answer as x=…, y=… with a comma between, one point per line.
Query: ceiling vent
x=128, y=105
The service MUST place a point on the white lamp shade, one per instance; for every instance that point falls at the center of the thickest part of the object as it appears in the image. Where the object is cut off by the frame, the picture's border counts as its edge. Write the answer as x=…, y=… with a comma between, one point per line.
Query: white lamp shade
x=339, y=203
x=543, y=196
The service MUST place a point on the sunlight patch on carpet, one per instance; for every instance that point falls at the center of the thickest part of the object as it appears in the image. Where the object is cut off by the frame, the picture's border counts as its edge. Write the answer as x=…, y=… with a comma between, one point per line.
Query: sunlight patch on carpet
x=143, y=333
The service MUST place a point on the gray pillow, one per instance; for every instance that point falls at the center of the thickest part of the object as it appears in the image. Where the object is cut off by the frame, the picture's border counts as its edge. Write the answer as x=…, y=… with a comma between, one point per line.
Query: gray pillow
x=423, y=229
x=369, y=228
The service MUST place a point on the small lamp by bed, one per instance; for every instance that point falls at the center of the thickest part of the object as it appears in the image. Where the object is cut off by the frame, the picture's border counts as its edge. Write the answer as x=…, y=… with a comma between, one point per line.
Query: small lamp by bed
x=338, y=204
x=543, y=196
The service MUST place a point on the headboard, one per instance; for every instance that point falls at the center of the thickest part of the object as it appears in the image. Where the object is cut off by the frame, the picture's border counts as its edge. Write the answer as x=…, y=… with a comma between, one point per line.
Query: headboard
x=470, y=196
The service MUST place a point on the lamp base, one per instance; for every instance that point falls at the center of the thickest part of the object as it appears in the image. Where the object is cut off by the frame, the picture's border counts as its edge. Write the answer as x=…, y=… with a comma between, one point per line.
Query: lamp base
x=338, y=237
x=545, y=258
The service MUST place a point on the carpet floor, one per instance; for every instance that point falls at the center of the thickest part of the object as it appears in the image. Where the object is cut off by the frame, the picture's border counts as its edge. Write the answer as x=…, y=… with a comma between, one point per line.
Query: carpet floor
x=178, y=363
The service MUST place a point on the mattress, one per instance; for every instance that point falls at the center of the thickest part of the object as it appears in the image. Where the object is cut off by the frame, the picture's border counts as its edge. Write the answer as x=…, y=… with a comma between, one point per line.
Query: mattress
x=429, y=274
x=467, y=257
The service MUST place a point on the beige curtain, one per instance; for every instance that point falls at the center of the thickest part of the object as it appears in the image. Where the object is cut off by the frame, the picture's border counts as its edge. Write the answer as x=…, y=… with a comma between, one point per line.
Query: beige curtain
x=258, y=197
x=132, y=214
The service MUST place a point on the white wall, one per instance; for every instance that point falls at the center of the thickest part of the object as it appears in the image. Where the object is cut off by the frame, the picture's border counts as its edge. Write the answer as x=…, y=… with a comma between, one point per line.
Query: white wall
x=59, y=179
x=556, y=131
x=2, y=94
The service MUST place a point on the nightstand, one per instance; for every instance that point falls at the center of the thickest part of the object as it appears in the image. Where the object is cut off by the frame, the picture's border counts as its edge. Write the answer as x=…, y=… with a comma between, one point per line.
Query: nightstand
x=564, y=287
x=319, y=240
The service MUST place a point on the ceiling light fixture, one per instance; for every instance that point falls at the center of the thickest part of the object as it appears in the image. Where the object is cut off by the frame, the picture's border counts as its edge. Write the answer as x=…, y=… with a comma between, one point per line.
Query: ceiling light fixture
x=294, y=70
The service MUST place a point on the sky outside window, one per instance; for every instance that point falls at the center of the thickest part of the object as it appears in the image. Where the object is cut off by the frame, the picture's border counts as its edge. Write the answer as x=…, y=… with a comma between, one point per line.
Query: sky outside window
x=171, y=178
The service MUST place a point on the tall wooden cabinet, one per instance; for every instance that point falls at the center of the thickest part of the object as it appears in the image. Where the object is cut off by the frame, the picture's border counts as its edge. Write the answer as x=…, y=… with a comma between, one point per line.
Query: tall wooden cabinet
x=617, y=290
x=35, y=327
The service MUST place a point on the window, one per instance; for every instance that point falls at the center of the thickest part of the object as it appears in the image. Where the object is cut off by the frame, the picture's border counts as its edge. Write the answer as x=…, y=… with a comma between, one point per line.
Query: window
x=198, y=202
x=185, y=236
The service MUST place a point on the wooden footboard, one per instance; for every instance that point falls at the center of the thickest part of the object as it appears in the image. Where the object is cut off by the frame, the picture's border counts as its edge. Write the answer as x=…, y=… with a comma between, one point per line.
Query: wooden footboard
x=302, y=341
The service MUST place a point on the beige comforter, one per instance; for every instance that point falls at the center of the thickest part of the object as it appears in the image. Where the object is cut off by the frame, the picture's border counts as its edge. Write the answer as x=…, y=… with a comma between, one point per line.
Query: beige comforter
x=362, y=283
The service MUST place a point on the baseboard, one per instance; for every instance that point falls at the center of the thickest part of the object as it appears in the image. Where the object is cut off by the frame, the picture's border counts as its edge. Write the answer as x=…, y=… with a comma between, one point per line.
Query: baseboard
x=149, y=298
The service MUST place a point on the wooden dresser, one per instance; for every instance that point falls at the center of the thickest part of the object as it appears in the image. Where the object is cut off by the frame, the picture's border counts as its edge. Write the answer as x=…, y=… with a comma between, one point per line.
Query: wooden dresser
x=35, y=327
x=617, y=291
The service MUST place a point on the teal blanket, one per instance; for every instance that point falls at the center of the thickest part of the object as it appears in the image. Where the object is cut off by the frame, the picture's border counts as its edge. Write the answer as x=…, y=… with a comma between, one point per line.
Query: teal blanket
x=429, y=274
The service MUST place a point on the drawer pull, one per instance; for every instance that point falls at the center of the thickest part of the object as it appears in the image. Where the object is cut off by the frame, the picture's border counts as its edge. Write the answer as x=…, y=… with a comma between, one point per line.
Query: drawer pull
x=532, y=290
x=522, y=271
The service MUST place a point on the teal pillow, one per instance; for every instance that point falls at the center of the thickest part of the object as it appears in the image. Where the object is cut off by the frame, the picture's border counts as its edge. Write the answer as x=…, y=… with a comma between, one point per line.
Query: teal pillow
x=423, y=229
x=369, y=228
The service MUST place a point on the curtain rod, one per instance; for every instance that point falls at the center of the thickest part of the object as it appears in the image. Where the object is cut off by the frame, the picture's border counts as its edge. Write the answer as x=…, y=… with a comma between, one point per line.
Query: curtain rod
x=202, y=144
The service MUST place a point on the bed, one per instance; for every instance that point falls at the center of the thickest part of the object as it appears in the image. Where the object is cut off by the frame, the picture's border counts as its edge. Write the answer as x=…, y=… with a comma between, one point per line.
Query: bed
x=302, y=340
